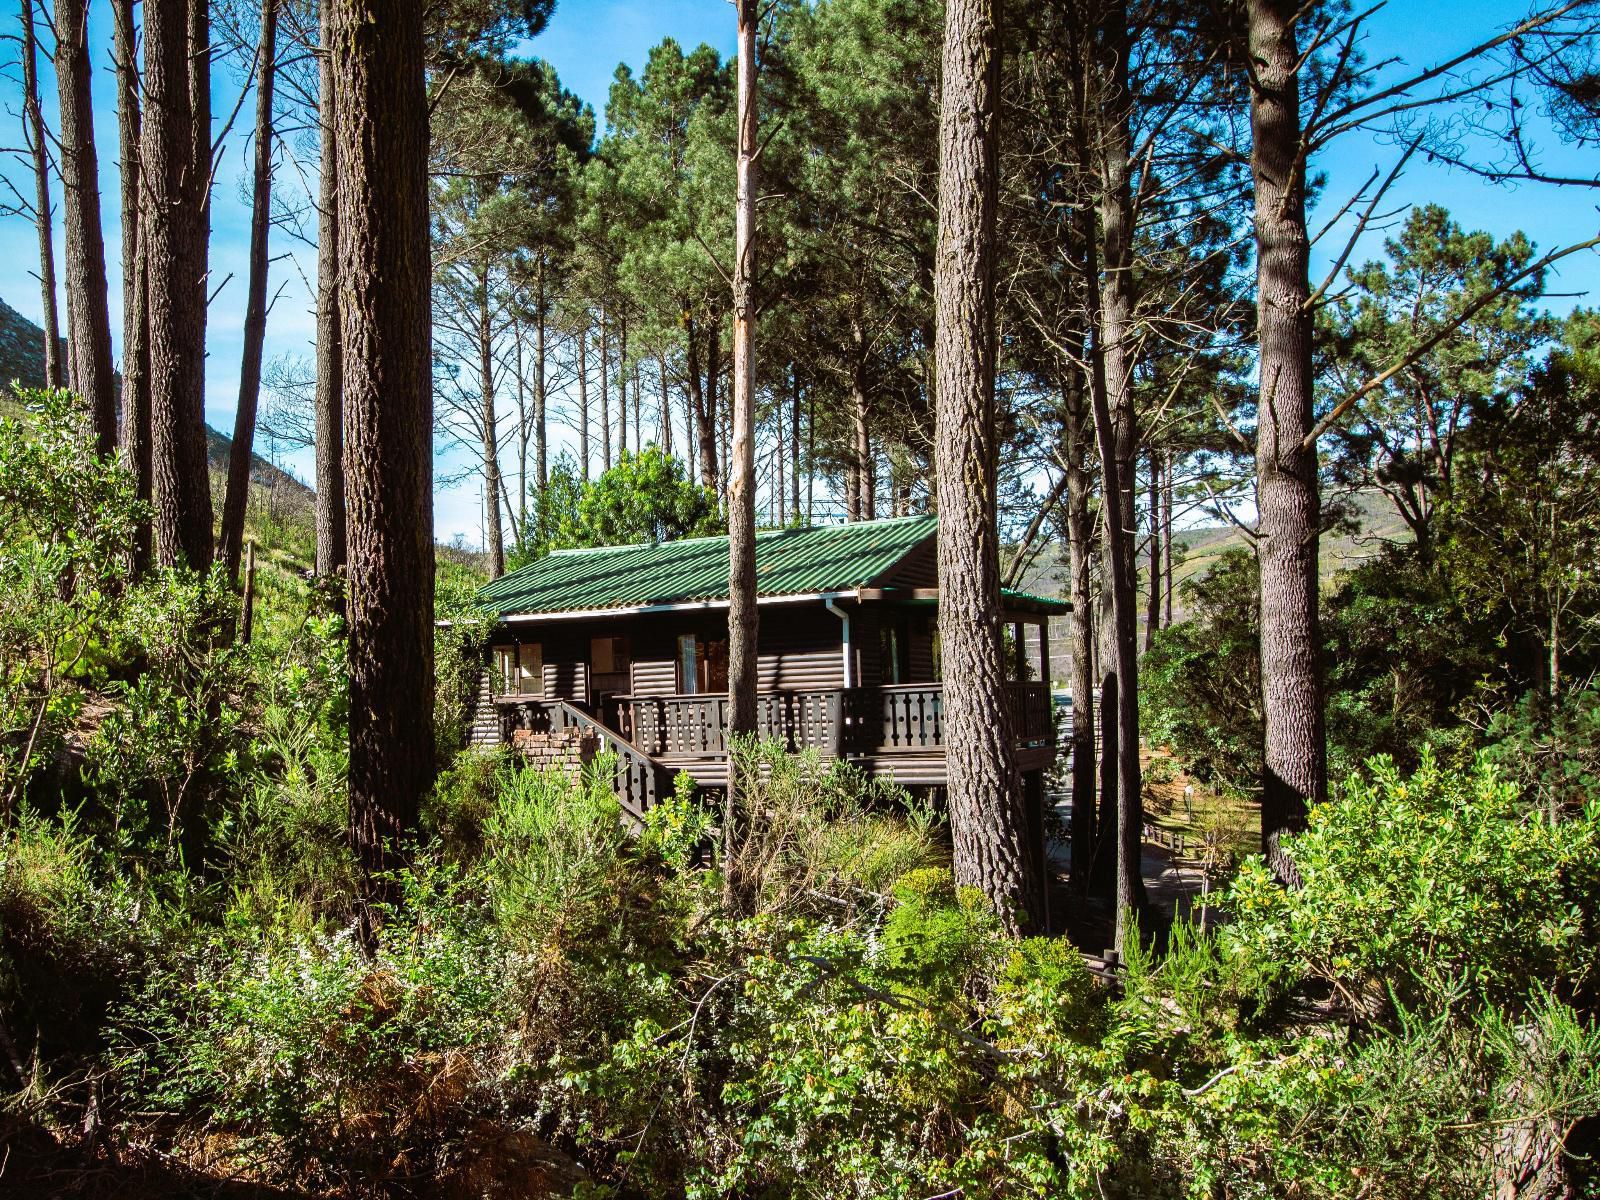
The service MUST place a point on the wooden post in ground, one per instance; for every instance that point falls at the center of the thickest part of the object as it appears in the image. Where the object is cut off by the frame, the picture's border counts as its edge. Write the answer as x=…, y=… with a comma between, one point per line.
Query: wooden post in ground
x=247, y=607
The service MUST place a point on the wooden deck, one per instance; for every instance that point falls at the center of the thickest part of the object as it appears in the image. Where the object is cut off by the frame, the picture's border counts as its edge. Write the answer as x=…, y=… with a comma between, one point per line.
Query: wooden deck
x=895, y=731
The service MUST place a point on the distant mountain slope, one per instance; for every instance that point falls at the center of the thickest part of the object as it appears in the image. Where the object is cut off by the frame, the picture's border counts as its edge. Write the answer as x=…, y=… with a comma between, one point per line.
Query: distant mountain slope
x=22, y=362
x=218, y=446
x=1377, y=523
x=21, y=349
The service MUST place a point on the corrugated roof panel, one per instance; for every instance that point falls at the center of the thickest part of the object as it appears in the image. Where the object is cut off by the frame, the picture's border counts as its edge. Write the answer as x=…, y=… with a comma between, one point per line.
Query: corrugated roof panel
x=789, y=562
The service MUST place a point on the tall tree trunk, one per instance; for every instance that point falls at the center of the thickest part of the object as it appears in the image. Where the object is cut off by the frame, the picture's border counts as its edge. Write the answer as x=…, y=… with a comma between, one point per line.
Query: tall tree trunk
x=861, y=450
x=135, y=330
x=583, y=397
x=742, y=617
x=706, y=415
x=1287, y=500
x=638, y=419
x=689, y=439
x=811, y=454
x=860, y=483
x=541, y=396
x=381, y=134
x=1080, y=535
x=622, y=385
x=38, y=149
x=779, y=492
x=1166, y=542
x=519, y=519
x=1152, y=615
x=255, y=315
x=490, y=420
x=1116, y=436
x=794, y=445
x=331, y=549
x=666, y=405
x=174, y=229
x=993, y=843
x=605, y=395
x=85, y=237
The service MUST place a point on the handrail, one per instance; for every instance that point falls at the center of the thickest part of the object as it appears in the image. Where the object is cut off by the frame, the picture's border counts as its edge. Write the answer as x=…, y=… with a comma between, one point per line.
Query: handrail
x=860, y=720
x=640, y=781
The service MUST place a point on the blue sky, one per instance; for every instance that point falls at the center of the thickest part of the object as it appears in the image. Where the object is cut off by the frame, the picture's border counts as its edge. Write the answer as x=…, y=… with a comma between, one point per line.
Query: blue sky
x=586, y=40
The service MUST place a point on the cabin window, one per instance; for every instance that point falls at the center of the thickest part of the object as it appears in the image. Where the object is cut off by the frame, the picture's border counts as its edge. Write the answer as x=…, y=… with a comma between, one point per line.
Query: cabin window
x=505, y=669
x=714, y=665
x=894, y=649
x=688, y=659
x=609, y=655
x=702, y=665
x=530, y=668
x=519, y=669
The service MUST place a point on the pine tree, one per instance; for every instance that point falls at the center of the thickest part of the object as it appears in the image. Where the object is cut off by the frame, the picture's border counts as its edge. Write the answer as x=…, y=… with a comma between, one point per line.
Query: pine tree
x=90, y=323
x=381, y=146
x=986, y=809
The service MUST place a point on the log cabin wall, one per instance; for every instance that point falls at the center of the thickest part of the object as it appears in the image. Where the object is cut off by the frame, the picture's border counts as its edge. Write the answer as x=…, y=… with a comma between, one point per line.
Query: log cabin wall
x=800, y=648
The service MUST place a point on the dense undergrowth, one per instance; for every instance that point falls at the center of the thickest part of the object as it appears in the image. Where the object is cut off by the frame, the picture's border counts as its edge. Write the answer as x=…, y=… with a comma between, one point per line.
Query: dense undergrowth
x=820, y=1013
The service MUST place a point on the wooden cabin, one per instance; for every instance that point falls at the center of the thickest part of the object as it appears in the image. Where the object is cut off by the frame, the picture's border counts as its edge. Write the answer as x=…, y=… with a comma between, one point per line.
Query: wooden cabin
x=626, y=648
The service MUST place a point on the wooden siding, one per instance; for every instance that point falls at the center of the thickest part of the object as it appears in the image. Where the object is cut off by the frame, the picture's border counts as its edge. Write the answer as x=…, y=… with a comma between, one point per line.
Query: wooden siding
x=800, y=648
x=483, y=718
x=918, y=569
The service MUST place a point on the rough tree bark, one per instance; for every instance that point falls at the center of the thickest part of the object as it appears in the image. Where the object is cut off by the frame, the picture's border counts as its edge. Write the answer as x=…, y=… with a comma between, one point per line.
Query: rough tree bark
x=742, y=618
x=860, y=487
x=541, y=397
x=1080, y=552
x=173, y=231
x=1166, y=542
x=794, y=444
x=331, y=527
x=38, y=151
x=605, y=395
x=987, y=812
x=1287, y=500
x=489, y=418
x=1116, y=437
x=706, y=410
x=381, y=137
x=236, y=497
x=666, y=404
x=489, y=421
x=622, y=385
x=135, y=332
x=90, y=346
x=1152, y=612
x=583, y=398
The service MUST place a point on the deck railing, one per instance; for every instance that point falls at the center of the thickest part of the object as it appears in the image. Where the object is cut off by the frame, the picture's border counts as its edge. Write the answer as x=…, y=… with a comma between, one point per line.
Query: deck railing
x=639, y=782
x=883, y=720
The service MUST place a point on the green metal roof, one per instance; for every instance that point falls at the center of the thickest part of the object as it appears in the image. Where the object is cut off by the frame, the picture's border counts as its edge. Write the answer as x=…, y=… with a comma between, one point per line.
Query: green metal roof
x=789, y=562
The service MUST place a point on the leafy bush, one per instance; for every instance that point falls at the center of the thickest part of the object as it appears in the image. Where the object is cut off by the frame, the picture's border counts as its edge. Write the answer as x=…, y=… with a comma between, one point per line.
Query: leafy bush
x=1411, y=882
x=807, y=821
x=553, y=848
x=67, y=524
x=71, y=938
x=350, y=1068
x=159, y=754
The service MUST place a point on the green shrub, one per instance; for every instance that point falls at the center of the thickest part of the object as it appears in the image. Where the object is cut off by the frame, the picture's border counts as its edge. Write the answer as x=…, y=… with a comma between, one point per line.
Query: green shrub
x=1412, y=881
x=553, y=851
x=939, y=940
x=71, y=937
x=808, y=823
x=328, y=1065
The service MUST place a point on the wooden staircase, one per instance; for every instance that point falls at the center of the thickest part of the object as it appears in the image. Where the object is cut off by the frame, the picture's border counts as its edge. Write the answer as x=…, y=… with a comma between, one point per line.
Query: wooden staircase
x=640, y=781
